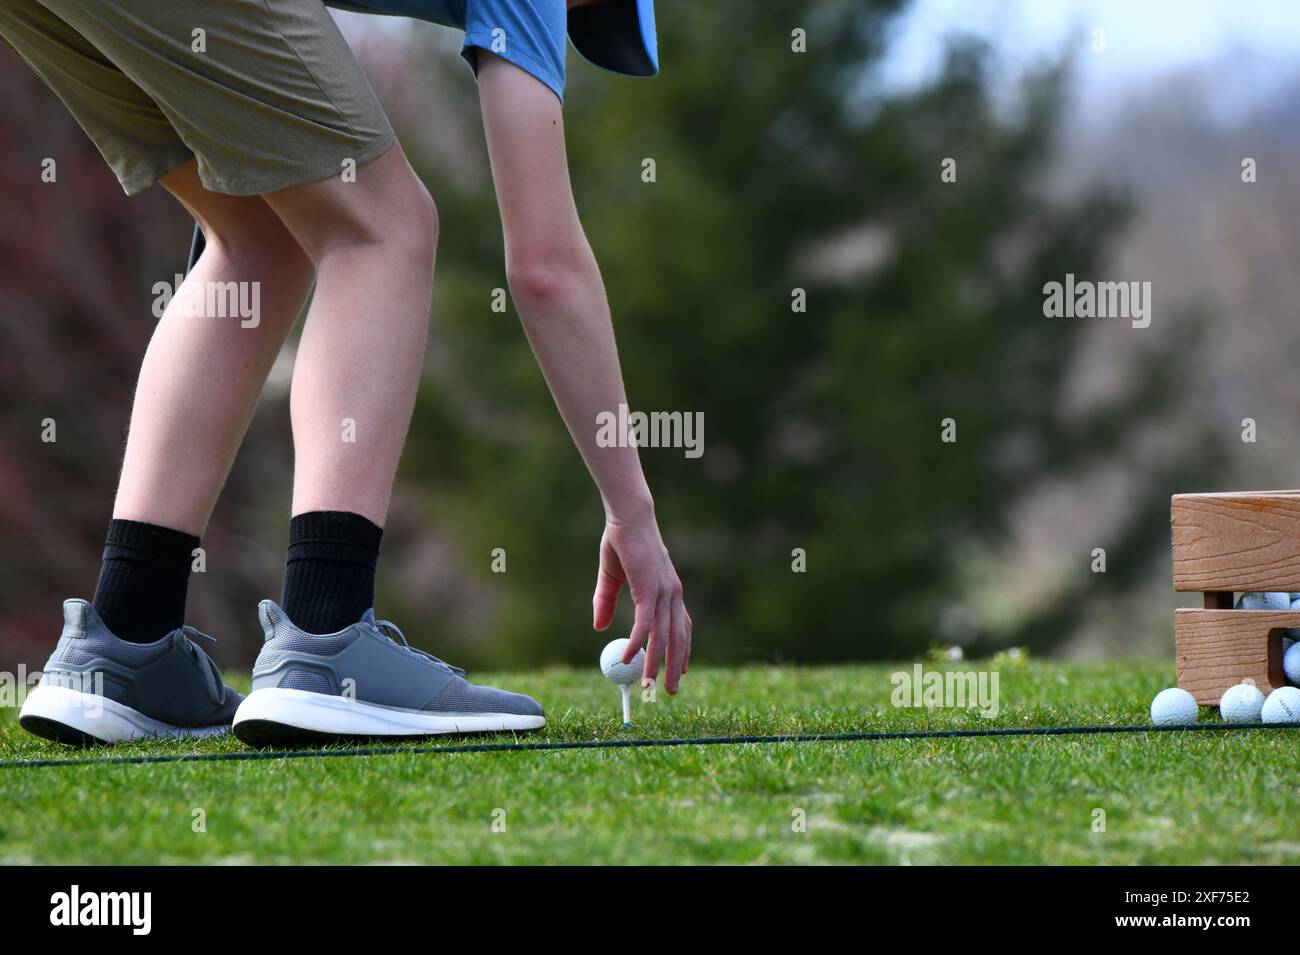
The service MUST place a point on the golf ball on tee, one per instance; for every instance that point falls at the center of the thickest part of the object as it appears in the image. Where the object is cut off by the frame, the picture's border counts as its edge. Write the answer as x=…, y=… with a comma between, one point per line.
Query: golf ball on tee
x=1173, y=707
x=1282, y=706
x=612, y=665
x=1241, y=703
x=1291, y=661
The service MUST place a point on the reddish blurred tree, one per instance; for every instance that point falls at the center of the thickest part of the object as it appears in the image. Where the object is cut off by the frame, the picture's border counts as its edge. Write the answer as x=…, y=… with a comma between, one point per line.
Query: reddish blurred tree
x=78, y=262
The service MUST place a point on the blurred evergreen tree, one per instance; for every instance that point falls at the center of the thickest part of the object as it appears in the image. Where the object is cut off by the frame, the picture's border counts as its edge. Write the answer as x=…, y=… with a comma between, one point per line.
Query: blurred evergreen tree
x=78, y=266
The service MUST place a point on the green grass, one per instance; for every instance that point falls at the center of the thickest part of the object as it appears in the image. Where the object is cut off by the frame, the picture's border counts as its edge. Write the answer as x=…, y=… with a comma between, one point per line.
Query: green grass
x=1168, y=798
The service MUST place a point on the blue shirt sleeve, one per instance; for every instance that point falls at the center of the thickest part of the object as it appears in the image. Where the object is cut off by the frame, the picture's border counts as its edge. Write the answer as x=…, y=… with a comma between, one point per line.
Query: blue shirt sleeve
x=529, y=33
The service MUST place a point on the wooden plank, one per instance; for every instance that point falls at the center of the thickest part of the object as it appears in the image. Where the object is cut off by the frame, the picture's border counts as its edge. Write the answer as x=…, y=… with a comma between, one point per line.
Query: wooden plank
x=1218, y=494
x=1217, y=649
x=1236, y=541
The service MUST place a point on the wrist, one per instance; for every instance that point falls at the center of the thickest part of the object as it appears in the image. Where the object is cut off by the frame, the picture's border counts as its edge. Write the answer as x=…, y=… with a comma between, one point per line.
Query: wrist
x=630, y=510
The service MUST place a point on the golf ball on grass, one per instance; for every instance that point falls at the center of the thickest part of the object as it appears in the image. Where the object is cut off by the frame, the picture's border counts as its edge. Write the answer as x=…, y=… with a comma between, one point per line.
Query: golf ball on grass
x=620, y=673
x=1241, y=704
x=1173, y=707
x=1282, y=706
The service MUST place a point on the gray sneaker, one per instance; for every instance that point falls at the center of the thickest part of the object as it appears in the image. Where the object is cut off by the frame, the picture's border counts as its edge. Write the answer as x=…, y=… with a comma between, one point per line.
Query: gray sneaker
x=97, y=688
x=363, y=682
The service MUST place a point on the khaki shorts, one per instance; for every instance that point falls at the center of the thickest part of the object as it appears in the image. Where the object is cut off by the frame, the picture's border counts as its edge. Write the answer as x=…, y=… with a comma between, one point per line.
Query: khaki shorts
x=275, y=100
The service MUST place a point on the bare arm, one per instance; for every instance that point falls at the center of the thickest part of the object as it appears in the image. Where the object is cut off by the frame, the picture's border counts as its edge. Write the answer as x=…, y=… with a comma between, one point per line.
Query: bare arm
x=561, y=299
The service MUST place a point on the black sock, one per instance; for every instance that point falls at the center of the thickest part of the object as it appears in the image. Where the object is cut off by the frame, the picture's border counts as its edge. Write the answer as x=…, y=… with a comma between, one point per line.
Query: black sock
x=329, y=578
x=143, y=580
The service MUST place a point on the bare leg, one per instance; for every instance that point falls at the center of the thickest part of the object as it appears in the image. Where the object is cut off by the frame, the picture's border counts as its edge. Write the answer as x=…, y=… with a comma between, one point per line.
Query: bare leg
x=358, y=364
x=201, y=375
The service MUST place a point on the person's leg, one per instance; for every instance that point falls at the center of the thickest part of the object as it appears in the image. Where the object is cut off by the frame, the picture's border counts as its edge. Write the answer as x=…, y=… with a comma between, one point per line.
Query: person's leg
x=328, y=670
x=280, y=102
x=197, y=388
x=202, y=375
x=198, y=385
x=277, y=102
x=355, y=378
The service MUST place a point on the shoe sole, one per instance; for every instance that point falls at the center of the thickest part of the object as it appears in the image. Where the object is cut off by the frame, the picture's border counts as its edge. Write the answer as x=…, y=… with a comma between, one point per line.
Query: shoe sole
x=280, y=717
x=69, y=716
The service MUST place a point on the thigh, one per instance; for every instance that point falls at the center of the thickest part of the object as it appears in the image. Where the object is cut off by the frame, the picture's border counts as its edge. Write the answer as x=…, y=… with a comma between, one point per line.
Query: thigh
x=243, y=224
x=134, y=136
x=265, y=93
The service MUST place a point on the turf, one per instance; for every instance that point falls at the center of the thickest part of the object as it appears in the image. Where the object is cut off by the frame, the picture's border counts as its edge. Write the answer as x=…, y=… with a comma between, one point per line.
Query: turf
x=1167, y=798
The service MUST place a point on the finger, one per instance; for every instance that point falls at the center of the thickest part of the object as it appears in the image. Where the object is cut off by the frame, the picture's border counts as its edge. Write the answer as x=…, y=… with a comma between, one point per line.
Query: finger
x=641, y=628
x=663, y=628
x=605, y=600
x=686, y=662
x=654, y=650
x=676, y=645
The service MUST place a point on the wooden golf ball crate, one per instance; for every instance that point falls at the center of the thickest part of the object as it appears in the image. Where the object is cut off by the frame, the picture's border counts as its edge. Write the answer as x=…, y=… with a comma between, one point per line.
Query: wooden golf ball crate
x=1225, y=543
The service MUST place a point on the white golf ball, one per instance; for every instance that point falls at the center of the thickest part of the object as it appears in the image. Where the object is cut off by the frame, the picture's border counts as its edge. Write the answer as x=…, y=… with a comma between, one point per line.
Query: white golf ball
x=1173, y=707
x=1289, y=634
x=1291, y=660
x=1282, y=706
x=1264, y=601
x=612, y=665
x=1241, y=703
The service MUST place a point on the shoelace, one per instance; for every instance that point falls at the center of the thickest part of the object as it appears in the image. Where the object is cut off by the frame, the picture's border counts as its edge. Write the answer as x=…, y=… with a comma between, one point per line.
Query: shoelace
x=390, y=628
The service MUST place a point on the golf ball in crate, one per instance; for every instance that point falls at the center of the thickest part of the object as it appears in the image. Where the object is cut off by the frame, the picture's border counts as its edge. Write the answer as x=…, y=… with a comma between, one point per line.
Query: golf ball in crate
x=1264, y=601
x=1241, y=704
x=1282, y=706
x=612, y=665
x=1291, y=662
x=1173, y=707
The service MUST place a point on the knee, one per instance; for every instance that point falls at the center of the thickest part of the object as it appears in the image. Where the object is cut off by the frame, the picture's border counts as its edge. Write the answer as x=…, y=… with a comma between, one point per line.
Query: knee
x=405, y=216
x=418, y=231
x=398, y=221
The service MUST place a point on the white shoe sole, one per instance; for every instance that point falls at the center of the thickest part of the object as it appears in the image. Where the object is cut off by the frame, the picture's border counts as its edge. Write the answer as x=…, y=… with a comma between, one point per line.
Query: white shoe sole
x=280, y=715
x=67, y=715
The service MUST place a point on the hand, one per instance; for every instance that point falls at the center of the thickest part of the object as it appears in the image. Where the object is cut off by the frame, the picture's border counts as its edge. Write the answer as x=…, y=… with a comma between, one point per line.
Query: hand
x=634, y=554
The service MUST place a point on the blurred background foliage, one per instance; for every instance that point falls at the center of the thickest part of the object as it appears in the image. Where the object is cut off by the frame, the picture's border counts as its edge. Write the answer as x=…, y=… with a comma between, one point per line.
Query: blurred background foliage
x=822, y=428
